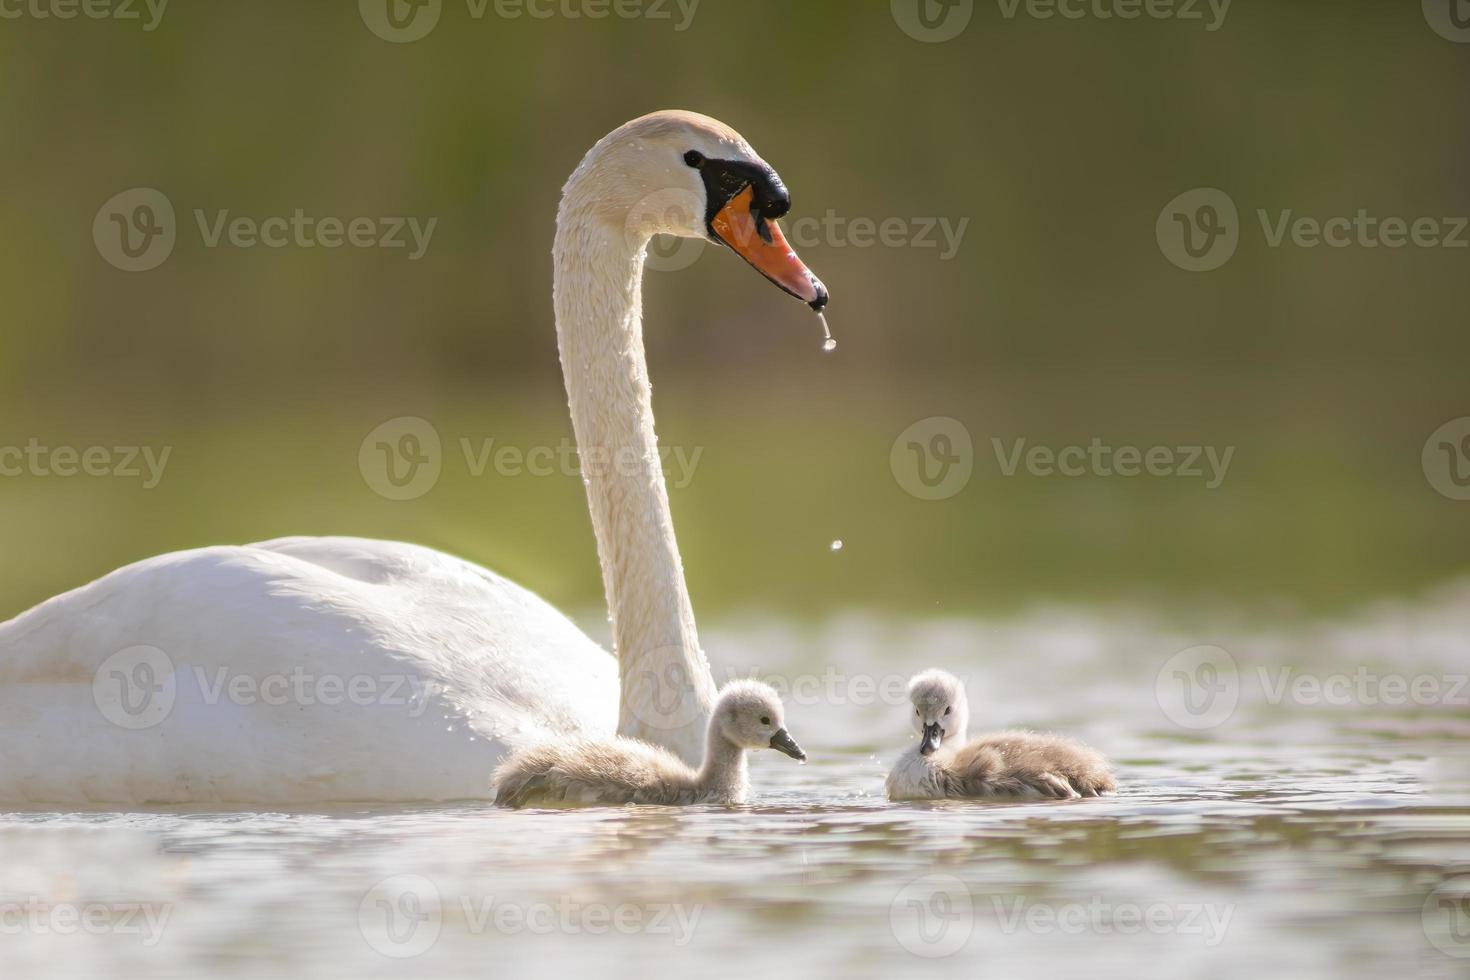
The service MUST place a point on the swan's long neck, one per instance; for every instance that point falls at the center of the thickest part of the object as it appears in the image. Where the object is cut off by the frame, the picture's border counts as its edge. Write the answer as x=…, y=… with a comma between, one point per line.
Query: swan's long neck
x=666, y=685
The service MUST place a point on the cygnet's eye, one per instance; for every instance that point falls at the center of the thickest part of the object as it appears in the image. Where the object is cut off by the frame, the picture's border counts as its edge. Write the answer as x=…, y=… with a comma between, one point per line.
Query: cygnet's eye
x=946, y=711
x=765, y=719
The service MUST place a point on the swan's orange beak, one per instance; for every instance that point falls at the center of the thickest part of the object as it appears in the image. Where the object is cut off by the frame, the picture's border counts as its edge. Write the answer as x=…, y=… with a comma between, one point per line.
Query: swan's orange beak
x=758, y=240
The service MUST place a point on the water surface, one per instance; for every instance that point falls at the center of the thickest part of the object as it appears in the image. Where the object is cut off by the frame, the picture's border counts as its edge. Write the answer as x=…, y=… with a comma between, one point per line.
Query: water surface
x=1290, y=835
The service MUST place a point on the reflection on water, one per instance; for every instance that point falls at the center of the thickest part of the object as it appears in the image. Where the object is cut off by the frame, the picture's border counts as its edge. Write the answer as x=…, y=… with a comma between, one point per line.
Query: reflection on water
x=1286, y=809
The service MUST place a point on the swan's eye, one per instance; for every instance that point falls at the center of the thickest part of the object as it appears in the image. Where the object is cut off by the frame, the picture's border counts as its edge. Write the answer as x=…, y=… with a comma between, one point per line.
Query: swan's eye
x=946, y=711
x=694, y=158
x=765, y=719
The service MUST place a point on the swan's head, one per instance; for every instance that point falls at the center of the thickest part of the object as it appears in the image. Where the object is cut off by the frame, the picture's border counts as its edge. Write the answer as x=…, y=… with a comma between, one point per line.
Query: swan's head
x=749, y=714
x=941, y=709
x=684, y=174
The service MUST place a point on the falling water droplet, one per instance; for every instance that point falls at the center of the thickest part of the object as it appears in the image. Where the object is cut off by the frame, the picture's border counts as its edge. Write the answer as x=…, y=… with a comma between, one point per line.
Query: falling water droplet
x=837, y=545
x=828, y=344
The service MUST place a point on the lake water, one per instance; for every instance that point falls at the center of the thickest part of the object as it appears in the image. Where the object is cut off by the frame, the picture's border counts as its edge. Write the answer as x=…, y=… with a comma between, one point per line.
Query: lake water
x=1295, y=801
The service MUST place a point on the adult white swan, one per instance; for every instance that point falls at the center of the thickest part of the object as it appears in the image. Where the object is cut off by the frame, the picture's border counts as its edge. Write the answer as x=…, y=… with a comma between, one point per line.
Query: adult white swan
x=318, y=669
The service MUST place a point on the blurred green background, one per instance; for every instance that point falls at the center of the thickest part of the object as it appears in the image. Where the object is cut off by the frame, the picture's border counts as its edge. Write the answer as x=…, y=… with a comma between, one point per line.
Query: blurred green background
x=1058, y=320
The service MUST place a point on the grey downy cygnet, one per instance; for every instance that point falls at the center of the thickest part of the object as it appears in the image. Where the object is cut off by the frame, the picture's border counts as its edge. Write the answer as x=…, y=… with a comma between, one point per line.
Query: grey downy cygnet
x=946, y=764
x=590, y=772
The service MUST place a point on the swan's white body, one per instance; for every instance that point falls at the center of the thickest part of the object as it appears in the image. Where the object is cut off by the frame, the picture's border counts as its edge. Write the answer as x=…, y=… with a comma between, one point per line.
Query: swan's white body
x=451, y=664
x=278, y=661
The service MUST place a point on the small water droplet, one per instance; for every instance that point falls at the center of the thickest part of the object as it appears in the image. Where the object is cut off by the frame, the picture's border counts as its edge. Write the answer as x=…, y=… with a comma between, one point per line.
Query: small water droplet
x=837, y=545
x=828, y=344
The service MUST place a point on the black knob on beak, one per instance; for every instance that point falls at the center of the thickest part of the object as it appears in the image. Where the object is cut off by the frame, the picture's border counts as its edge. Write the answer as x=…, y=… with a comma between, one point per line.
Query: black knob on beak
x=820, y=303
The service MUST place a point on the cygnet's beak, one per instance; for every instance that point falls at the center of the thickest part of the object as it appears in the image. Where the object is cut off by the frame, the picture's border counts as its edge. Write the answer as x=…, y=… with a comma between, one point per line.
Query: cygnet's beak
x=933, y=735
x=783, y=742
